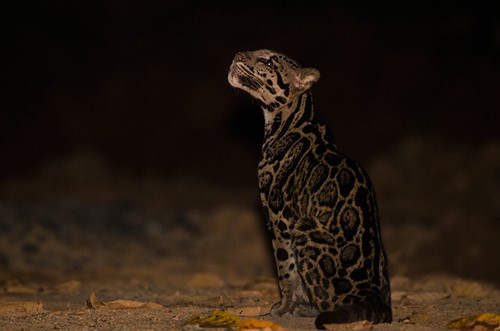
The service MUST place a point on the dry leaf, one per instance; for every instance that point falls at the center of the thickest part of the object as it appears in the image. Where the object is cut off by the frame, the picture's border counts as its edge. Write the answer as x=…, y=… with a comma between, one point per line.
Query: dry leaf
x=485, y=321
x=93, y=302
x=358, y=325
x=254, y=324
x=248, y=311
x=131, y=304
x=225, y=301
x=225, y=319
x=216, y=319
x=19, y=307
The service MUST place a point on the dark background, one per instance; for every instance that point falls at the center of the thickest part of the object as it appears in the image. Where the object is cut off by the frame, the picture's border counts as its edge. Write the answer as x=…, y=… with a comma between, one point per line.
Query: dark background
x=410, y=89
x=144, y=82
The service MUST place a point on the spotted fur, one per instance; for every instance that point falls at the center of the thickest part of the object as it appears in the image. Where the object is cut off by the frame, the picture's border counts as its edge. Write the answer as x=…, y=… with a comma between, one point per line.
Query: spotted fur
x=320, y=204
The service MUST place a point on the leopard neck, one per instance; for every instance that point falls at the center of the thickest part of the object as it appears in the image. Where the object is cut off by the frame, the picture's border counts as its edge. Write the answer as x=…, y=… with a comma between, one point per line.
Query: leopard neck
x=288, y=116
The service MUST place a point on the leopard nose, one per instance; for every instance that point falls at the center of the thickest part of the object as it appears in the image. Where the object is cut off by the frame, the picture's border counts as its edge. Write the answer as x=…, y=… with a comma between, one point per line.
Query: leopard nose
x=240, y=57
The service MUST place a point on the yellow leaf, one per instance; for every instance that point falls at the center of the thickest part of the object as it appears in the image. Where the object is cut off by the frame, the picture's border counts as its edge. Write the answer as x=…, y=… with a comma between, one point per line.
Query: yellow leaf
x=254, y=324
x=488, y=321
x=216, y=319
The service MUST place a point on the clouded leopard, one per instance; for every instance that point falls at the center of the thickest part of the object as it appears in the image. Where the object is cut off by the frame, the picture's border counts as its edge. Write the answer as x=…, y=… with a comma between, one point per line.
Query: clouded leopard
x=319, y=203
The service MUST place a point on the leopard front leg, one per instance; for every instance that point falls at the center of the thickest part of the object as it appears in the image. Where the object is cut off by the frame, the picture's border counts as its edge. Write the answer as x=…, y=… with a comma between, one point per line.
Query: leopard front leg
x=294, y=300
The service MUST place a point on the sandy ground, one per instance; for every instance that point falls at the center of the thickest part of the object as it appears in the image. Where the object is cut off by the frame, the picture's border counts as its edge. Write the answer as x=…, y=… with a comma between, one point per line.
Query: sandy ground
x=174, y=247
x=162, y=298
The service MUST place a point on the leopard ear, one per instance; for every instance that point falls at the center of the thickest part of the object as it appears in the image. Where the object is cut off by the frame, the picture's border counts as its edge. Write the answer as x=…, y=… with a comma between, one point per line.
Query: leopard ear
x=305, y=77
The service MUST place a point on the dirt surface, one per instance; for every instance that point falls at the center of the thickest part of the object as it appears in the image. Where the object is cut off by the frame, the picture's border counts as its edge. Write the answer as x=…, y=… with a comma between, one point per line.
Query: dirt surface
x=427, y=304
x=156, y=250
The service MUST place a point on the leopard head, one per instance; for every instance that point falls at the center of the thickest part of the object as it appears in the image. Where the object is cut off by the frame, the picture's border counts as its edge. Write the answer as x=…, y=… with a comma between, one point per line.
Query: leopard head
x=270, y=77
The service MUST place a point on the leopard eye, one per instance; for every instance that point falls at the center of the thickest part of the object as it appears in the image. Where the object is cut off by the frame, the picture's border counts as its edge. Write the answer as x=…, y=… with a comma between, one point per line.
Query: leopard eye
x=267, y=62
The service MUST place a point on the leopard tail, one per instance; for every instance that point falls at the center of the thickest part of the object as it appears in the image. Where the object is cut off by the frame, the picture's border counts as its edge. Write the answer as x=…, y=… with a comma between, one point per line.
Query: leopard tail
x=373, y=311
